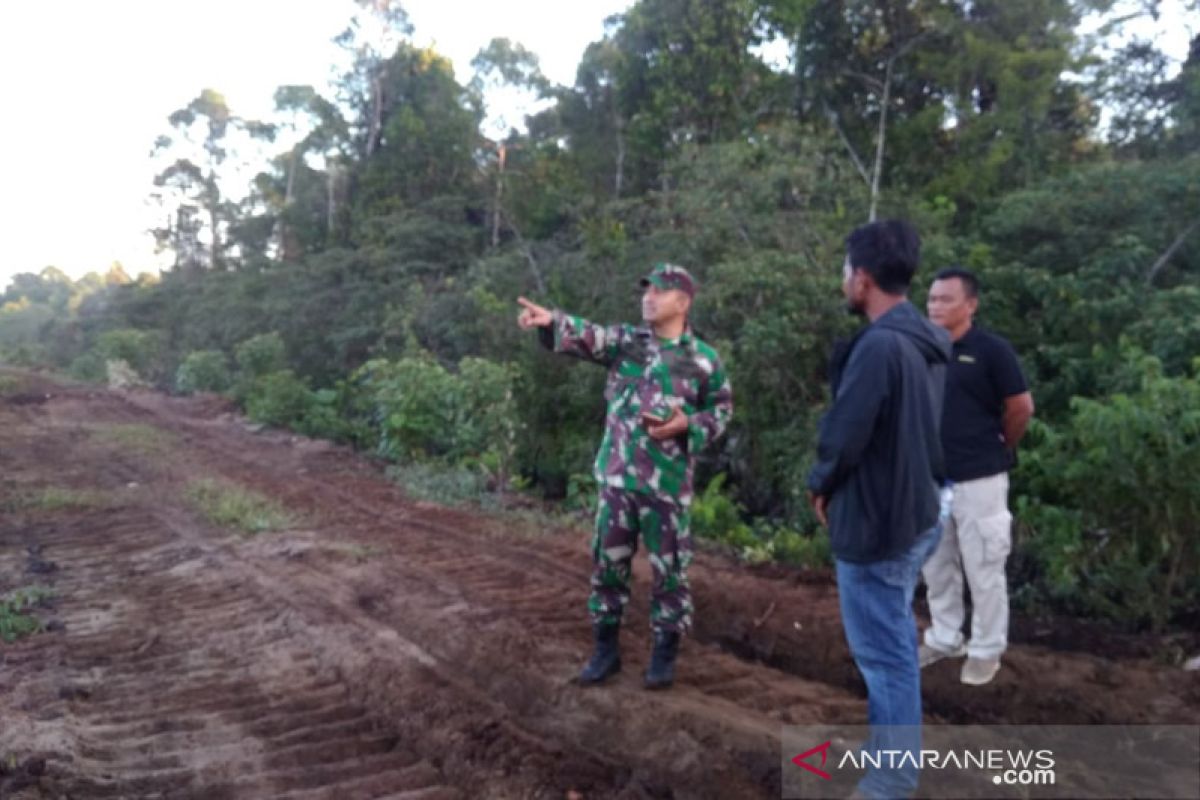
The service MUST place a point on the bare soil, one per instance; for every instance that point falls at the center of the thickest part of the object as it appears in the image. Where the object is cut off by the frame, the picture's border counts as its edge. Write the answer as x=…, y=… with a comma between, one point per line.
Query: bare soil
x=385, y=647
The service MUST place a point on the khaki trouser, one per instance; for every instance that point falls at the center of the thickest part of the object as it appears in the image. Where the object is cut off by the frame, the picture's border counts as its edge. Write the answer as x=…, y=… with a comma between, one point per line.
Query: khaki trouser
x=975, y=543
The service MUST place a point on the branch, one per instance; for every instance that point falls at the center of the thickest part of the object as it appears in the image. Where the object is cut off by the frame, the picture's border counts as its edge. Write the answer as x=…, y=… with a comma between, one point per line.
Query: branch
x=538, y=280
x=870, y=80
x=1170, y=251
x=837, y=126
x=883, y=109
x=879, y=142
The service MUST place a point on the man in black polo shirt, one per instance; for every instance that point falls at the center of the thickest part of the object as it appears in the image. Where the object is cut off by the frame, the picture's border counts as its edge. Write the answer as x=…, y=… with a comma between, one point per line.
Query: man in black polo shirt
x=986, y=411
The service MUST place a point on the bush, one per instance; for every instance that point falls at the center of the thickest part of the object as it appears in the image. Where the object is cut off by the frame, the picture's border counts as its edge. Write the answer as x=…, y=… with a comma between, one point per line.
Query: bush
x=261, y=355
x=801, y=550
x=424, y=411
x=142, y=350
x=279, y=398
x=89, y=367
x=719, y=518
x=203, y=371
x=25, y=355
x=1113, y=515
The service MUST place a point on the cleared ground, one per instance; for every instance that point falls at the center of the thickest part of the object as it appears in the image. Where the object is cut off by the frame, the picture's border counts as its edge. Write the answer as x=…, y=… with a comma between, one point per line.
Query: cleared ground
x=381, y=647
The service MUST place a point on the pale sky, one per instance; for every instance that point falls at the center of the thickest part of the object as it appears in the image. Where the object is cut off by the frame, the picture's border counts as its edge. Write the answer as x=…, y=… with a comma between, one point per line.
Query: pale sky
x=86, y=87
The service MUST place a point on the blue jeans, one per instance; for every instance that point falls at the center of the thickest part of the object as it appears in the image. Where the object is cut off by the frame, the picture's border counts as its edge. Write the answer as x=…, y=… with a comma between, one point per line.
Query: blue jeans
x=876, y=603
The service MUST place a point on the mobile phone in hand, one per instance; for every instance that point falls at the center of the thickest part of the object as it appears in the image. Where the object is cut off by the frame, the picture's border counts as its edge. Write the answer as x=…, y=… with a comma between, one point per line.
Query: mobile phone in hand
x=656, y=416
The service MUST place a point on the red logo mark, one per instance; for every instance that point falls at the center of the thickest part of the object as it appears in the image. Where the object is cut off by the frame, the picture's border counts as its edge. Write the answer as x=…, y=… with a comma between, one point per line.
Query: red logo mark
x=823, y=749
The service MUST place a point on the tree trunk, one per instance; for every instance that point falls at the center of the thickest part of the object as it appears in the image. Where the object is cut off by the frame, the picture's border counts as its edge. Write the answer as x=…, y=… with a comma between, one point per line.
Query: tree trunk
x=281, y=232
x=501, y=152
x=619, y=176
x=331, y=169
x=376, y=113
x=837, y=126
x=879, y=141
x=214, y=221
x=1170, y=251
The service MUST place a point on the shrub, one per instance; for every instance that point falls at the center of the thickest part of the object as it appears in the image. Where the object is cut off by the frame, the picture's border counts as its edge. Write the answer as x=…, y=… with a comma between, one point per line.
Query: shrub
x=142, y=350
x=203, y=371
x=424, y=411
x=261, y=355
x=279, y=398
x=1113, y=511
x=89, y=367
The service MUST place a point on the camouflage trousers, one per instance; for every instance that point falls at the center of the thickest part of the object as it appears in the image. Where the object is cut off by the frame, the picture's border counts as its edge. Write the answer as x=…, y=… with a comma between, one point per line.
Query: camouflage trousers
x=663, y=524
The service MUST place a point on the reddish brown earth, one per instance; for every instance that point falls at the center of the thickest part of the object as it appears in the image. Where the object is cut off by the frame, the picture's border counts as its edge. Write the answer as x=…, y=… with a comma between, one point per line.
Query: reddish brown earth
x=391, y=648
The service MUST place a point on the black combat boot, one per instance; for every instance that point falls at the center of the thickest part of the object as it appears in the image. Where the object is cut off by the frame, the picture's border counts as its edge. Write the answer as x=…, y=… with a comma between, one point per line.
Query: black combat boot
x=606, y=658
x=661, y=672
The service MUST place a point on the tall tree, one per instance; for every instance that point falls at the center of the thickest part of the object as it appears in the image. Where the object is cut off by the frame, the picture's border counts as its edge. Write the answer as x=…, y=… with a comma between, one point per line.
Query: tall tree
x=371, y=38
x=189, y=187
x=506, y=70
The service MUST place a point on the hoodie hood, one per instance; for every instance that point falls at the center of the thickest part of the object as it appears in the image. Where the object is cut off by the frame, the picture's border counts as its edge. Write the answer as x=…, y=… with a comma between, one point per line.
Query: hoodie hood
x=932, y=342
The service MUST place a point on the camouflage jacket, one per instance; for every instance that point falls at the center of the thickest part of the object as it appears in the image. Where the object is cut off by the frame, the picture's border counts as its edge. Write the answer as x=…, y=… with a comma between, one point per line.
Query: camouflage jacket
x=649, y=374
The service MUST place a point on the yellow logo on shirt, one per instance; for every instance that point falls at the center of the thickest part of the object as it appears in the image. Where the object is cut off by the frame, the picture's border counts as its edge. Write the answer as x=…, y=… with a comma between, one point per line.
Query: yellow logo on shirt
x=967, y=359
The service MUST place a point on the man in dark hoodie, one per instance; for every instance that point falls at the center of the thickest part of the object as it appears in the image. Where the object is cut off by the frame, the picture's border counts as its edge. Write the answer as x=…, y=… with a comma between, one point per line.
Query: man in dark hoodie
x=876, y=483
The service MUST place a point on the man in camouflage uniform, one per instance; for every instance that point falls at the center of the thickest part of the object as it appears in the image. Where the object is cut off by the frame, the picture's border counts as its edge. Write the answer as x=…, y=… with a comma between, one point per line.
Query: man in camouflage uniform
x=667, y=397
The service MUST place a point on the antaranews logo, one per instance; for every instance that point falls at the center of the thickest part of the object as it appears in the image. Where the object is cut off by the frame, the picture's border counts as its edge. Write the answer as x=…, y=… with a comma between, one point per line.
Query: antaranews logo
x=1029, y=761
x=1012, y=768
x=823, y=749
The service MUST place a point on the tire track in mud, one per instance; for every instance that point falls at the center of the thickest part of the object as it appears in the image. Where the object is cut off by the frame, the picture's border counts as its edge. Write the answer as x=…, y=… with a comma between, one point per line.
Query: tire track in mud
x=194, y=664
x=163, y=687
x=782, y=619
x=386, y=647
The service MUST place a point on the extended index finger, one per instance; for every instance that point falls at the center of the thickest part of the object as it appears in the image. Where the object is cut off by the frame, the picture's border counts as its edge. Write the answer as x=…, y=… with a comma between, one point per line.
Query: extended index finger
x=529, y=304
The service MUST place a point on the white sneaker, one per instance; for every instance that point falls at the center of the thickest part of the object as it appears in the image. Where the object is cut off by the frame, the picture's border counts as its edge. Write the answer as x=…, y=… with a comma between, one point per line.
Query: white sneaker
x=978, y=671
x=927, y=655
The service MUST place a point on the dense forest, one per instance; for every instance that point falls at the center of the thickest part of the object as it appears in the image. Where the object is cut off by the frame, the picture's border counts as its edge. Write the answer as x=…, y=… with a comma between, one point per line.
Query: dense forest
x=362, y=287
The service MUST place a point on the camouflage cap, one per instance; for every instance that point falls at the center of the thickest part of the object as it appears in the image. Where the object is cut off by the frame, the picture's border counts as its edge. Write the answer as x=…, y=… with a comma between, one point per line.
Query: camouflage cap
x=670, y=276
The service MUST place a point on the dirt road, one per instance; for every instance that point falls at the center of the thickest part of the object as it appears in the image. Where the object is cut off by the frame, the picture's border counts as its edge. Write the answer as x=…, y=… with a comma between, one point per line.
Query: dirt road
x=381, y=647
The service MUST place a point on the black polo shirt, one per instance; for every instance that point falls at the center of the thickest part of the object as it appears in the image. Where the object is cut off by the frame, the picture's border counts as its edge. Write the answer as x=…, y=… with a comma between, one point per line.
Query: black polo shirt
x=983, y=371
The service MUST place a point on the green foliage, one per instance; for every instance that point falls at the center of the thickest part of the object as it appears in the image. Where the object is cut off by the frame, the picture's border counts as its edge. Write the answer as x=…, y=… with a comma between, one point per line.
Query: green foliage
x=278, y=398
x=142, y=350
x=54, y=498
x=443, y=484
x=261, y=355
x=332, y=414
x=717, y=517
x=10, y=384
x=203, y=371
x=146, y=440
x=88, y=367
x=15, y=620
x=236, y=507
x=425, y=411
x=1114, y=523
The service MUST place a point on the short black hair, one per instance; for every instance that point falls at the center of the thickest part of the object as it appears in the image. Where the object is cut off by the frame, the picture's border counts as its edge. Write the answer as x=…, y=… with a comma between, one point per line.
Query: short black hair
x=889, y=251
x=969, y=281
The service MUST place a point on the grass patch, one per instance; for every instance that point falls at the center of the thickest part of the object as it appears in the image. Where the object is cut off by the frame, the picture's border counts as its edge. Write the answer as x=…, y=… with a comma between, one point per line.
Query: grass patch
x=15, y=621
x=144, y=439
x=54, y=498
x=235, y=507
x=449, y=486
x=10, y=384
x=363, y=553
